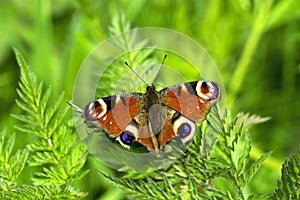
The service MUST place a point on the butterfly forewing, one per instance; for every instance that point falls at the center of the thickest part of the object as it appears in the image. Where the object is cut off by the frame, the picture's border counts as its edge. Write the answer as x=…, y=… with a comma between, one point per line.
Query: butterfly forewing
x=114, y=113
x=192, y=99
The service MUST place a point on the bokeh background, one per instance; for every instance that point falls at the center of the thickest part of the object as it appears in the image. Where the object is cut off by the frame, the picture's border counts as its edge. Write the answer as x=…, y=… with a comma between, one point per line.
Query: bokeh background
x=254, y=43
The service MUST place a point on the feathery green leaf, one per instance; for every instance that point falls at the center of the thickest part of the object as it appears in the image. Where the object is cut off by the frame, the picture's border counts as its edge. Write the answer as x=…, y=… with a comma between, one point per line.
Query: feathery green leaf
x=289, y=185
x=56, y=149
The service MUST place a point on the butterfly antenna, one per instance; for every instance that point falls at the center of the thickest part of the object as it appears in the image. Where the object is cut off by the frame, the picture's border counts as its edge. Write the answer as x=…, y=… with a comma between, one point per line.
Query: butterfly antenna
x=76, y=108
x=135, y=73
x=162, y=64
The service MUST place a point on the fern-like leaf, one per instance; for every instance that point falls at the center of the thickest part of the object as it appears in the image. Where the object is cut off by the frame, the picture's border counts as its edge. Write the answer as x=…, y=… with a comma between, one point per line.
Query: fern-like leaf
x=134, y=52
x=11, y=165
x=56, y=150
x=144, y=188
x=289, y=185
x=40, y=192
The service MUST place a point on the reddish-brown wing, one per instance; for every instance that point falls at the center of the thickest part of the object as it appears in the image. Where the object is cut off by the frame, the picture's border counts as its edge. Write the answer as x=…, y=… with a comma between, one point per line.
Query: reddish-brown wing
x=192, y=99
x=113, y=114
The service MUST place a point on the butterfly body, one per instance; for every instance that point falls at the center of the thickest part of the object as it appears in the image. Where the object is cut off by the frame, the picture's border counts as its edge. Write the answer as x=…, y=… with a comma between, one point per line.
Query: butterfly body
x=155, y=117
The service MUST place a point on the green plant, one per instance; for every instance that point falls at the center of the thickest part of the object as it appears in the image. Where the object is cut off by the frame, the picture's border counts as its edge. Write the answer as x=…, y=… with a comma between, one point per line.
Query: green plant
x=55, y=157
x=223, y=173
x=289, y=185
x=197, y=174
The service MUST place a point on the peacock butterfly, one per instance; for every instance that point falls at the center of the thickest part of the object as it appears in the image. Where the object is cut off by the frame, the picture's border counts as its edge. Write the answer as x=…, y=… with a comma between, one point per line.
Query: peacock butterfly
x=155, y=117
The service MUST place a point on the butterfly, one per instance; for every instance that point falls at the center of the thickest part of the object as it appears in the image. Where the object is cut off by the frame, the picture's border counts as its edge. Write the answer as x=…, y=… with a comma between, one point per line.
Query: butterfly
x=155, y=117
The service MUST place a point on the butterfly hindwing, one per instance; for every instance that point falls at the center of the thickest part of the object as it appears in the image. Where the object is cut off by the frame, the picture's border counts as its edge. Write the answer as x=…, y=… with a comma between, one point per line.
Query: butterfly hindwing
x=138, y=130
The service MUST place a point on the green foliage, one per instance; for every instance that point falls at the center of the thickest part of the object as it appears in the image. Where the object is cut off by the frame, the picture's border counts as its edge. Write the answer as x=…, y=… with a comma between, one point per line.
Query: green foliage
x=198, y=173
x=255, y=45
x=41, y=192
x=136, y=59
x=223, y=173
x=56, y=151
x=289, y=185
x=11, y=165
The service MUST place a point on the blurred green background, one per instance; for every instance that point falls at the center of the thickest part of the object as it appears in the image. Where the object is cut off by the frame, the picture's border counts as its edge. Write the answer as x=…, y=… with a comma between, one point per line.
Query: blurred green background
x=255, y=44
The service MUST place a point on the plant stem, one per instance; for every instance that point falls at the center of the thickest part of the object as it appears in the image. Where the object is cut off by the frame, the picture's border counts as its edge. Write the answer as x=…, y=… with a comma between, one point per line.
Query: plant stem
x=247, y=54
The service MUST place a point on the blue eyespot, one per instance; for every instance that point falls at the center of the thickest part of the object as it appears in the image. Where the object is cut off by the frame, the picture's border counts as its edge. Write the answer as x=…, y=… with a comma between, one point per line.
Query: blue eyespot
x=126, y=138
x=184, y=130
